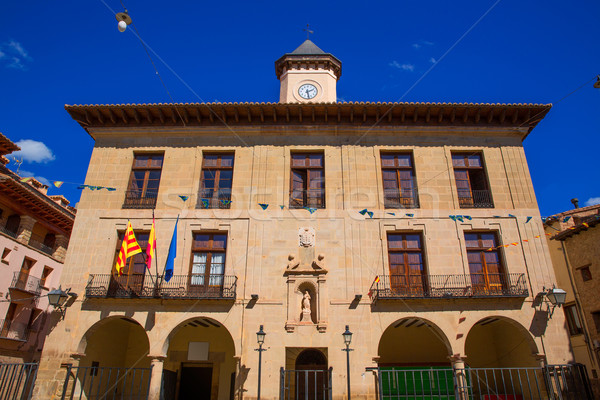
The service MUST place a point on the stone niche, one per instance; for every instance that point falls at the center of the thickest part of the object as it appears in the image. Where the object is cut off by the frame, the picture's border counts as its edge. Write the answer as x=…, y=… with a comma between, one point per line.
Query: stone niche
x=307, y=285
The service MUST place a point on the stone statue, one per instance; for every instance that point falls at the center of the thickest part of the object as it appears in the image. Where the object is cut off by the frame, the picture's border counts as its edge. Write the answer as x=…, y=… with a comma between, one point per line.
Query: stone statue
x=293, y=263
x=306, y=318
x=319, y=263
x=306, y=302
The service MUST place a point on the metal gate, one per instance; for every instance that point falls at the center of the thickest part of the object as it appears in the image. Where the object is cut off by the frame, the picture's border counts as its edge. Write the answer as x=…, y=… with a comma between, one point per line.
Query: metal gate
x=106, y=383
x=554, y=382
x=17, y=380
x=311, y=384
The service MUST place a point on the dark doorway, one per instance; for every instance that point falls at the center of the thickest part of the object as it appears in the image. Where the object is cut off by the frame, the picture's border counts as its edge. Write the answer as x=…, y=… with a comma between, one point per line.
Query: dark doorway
x=195, y=382
x=311, y=375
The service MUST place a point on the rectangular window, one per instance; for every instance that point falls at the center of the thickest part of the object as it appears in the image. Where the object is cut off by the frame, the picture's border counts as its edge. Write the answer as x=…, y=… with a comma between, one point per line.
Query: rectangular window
x=208, y=262
x=307, y=186
x=132, y=277
x=586, y=274
x=573, y=321
x=407, y=271
x=144, y=181
x=399, y=185
x=485, y=263
x=596, y=318
x=45, y=273
x=216, y=178
x=471, y=181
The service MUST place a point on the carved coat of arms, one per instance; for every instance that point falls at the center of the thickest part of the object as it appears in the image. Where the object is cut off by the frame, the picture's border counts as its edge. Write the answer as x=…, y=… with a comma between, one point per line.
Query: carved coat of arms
x=306, y=237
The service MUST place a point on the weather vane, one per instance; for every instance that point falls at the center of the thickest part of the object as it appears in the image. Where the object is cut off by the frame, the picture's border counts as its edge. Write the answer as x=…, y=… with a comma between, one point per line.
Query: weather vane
x=308, y=32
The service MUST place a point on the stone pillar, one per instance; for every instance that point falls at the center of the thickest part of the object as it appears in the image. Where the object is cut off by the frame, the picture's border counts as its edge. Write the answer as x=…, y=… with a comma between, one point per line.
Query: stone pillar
x=62, y=242
x=25, y=229
x=156, y=363
x=462, y=387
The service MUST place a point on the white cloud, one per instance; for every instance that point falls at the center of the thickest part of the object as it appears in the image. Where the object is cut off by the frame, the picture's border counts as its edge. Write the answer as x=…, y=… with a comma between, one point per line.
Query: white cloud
x=416, y=46
x=404, y=67
x=27, y=174
x=422, y=43
x=592, y=201
x=432, y=60
x=14, y=55
x=18, y=48
x=33, y=151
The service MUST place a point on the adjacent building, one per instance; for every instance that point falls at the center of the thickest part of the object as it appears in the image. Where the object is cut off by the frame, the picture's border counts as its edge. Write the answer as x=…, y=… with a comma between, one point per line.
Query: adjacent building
x=34, y=236
x=414, y=225
x=573, y=241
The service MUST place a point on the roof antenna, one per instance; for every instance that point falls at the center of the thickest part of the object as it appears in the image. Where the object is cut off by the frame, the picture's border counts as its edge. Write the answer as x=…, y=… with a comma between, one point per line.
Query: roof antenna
x=308, y=32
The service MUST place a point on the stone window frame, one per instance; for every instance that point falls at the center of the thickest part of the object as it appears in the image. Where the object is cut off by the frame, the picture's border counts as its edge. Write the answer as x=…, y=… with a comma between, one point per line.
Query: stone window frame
x=307, y=167
x=215, y=202
x=480, y=169
x=414, y=199
x=586, y=273
x=574, y=322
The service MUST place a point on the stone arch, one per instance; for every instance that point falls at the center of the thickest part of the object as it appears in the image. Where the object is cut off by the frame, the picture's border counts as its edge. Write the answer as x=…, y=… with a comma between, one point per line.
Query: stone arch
x=414, y=341
x=199, y=358
x=116, y=341
x=497, y=341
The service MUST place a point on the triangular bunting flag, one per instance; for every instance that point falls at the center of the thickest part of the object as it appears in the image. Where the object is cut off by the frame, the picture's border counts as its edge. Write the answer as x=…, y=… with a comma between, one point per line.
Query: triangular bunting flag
x=460, y=218
x=363, y=212
x=81, y=187
x=468, y=217
x=391, y=214
x=512, y=216
x=25, y=180
x=370, y=213
x=226, y=202
x=528, y=219
x=58, y=183
x=452, y=217
x=111, y=189
x=204, y=203
x=566, y=218
x=263, y=206
x=281, y=207
x=184, y=198
x=410, y=215
x=310, y=209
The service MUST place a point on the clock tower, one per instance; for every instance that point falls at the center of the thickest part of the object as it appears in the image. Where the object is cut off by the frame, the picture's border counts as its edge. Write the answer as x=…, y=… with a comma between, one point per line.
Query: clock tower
x=308, y=74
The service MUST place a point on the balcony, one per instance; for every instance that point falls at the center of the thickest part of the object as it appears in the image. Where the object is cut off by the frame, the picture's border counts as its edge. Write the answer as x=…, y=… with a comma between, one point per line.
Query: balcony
x=14, y=330
x=312, y=198
x=36, y=243
x=401, y=198
x=179, y=287
x=8, y=232
x=138, y=200
x=449, y=286
x=26, y=283
x=210, y=198
x=475, y=199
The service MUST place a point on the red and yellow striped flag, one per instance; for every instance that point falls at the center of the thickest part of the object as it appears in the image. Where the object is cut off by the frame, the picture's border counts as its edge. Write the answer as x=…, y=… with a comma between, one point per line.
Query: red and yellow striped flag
x=130, y=247
x=151, y=249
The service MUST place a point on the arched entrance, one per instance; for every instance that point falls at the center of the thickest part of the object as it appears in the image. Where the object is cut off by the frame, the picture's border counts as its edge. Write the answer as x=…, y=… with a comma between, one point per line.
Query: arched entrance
x=114, y=361
x=200, y=360
x=311, y=372
x=414, y=360
x=498, y=342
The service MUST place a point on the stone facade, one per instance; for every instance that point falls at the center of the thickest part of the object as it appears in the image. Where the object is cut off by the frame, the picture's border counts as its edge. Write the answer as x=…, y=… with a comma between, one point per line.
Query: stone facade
x=574, y=247
x=275, y=265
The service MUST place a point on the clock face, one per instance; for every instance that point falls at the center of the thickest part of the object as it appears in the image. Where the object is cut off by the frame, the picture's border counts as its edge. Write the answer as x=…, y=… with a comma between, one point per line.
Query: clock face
x=307, y=91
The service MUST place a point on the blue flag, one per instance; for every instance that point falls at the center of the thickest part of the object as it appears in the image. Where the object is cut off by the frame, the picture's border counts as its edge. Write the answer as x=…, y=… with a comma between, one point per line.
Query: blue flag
x=169, y=266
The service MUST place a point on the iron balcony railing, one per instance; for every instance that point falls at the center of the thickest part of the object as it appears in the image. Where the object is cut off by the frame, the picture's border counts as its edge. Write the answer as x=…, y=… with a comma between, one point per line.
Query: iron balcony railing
x=38, y=244
x=211, y=198
x=8, y=232
x=475, y=199
x=137, y=199
x=14, y=330
x=17, y=380
x=401, y=198
x=313, y=198
x=448, y=286
x=24, y=281
x=182, y=287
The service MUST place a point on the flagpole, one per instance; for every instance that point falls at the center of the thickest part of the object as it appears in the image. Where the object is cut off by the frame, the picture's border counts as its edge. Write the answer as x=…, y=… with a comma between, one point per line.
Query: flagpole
x=155, y=250
x=166, y=261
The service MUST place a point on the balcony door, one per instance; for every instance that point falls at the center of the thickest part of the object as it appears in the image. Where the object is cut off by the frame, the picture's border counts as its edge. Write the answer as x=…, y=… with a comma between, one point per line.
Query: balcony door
x=134, y=272
x=207, y=271
x=485, y=263
x=407, y=272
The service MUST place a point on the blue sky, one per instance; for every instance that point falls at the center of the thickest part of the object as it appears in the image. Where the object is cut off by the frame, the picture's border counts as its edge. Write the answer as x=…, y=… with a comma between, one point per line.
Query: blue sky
x=70, y=52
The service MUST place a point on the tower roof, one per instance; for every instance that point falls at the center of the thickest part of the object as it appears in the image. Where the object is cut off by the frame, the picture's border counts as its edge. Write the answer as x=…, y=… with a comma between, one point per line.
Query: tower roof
x=308, y=48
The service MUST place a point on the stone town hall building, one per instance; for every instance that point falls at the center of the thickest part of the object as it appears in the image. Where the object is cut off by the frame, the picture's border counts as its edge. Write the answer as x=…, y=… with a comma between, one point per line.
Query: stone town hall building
x=418, y=277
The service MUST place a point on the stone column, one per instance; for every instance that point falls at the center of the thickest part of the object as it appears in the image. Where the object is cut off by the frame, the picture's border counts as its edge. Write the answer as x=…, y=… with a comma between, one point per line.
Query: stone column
x=25, y=229
x=62, y=242
x=458, y=366
x=156, y=362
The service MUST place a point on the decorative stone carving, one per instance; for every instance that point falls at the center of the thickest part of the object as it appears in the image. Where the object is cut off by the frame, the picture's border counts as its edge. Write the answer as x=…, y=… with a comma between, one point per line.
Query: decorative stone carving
x=306, y=237
x=293, y=262
x=319, y=263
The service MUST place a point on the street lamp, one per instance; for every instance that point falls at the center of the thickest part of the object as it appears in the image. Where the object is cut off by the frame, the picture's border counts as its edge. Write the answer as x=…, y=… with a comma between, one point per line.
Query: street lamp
x=260, y=338
x=347, y=340
x=58, y=298
x=556, y=297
